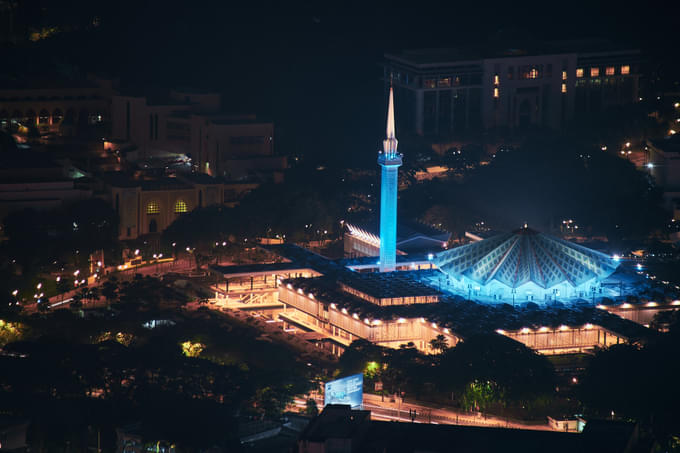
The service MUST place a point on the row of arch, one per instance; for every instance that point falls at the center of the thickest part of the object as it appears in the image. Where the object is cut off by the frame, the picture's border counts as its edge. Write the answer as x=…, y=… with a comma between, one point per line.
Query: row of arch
x=43, y=117
x=153, y=207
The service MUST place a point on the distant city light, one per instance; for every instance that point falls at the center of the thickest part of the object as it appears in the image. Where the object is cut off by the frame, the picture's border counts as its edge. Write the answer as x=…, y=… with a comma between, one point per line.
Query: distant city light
x=650, y=165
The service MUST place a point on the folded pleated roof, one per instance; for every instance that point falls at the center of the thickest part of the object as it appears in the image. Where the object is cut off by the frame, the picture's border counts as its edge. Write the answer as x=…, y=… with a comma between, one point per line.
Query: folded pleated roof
x=525, y=256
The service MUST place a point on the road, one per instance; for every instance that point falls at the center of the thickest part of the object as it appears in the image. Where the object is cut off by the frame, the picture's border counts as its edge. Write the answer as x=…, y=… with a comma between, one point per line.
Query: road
x=394, y=411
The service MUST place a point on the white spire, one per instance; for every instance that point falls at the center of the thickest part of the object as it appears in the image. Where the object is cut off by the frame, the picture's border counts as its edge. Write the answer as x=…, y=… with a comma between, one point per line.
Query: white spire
x=390, y=143
x=390, y=116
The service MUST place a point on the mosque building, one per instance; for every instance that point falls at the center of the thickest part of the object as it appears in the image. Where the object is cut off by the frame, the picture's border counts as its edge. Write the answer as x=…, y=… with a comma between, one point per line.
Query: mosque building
x=396, y=298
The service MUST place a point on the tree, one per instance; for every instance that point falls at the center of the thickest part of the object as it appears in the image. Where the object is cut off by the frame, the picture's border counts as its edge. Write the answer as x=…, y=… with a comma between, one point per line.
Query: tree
x=311, y=408
x=503, y=367
x=439, y=343
x=110, y=289
x=93, y=294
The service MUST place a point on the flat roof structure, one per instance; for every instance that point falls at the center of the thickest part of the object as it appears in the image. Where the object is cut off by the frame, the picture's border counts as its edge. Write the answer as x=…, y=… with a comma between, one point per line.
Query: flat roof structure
x=391, y=288
x=248, y=270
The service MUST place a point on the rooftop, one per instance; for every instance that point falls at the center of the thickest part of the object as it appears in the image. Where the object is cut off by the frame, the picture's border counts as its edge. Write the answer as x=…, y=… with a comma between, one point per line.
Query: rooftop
x=384, y=285
x=120, y=179
x=466, y=318
x=501, y=48
x=337, y=421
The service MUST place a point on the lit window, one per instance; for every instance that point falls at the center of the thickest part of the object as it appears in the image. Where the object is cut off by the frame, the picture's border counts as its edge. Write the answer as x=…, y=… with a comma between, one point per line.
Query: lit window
x=609, y=70
x=564, y=75
x=180, y=206
x=445, y=82
x=579, y=72
x=625, y=69
x=594, y=72
x=153, y=208
x=533, y=74
x=564, y=88
x=495, y=93
x=496, y=79
x=429, y=83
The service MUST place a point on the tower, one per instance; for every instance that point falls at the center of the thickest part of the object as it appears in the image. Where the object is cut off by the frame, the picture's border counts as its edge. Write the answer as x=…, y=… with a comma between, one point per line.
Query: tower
x=390, y=161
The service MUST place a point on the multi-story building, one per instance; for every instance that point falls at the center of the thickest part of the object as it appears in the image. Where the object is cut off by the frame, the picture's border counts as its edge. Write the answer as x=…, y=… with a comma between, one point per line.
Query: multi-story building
x=456, y=91
x=55, y=105
x=234, y=147
x=147, y=205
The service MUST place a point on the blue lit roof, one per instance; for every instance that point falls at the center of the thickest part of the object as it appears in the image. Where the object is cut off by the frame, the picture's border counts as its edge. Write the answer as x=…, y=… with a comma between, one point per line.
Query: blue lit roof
x=525, y=256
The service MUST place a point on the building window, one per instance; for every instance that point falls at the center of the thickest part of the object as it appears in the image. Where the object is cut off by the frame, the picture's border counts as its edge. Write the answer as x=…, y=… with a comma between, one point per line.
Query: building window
x=57, y=116
x=533, y=74
x=511, y=72
x=625, y=69
x=153, y=208
x=429, y=83
x=495, y=93
x=44, y=117
x=180, y=206
x=579, y=72
x=445, y=82
x=609, y=70
x=496, y=80
x=594, y=72
x=564, y=88
x=564, y=75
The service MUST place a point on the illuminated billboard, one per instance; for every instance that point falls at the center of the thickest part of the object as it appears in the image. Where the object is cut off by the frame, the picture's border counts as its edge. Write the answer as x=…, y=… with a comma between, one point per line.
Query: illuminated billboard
x=348, y=390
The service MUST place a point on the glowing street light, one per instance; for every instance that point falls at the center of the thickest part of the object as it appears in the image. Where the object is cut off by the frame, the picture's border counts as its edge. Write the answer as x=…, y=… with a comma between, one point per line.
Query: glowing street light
x=15, y=292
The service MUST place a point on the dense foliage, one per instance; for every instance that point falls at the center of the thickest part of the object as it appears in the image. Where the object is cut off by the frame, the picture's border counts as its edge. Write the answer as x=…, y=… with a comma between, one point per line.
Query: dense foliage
x=482, y=371
x=545, y=181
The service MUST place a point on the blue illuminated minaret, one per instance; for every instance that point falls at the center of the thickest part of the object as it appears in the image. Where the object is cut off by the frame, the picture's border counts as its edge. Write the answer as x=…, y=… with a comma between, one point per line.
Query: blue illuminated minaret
x=390, y=161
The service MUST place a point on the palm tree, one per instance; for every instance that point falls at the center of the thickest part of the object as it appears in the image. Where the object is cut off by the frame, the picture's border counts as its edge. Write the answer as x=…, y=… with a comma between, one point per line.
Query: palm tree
x=110, y=290
x=439, y=343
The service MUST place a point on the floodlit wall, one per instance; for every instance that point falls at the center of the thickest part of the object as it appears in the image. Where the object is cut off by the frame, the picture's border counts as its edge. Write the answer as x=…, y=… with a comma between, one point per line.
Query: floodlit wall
x=349, y=326
x=409, y=300
x=529, y=292
x=565, y=339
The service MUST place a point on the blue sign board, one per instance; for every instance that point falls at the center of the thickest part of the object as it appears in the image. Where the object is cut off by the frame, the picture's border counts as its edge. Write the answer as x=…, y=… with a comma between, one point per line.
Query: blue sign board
x=349, y=390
